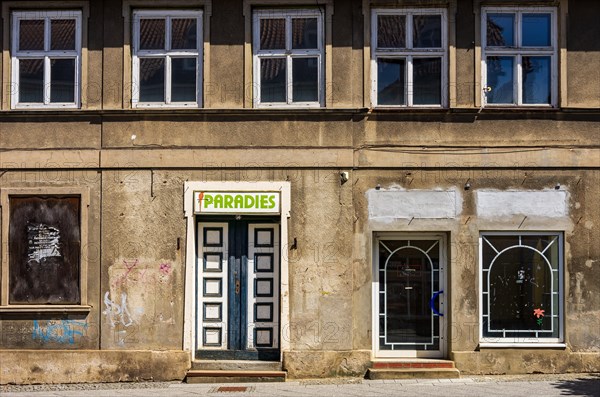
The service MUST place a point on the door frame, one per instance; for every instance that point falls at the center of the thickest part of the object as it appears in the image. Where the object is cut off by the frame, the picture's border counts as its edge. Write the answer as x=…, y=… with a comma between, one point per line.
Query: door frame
x=444, y=271
x=190, y=300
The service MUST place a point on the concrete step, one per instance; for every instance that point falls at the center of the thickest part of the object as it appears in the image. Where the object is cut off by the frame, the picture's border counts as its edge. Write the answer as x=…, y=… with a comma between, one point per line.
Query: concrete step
x=234, y=376
x=412, y=369
x=413, y=373
x=236, y=365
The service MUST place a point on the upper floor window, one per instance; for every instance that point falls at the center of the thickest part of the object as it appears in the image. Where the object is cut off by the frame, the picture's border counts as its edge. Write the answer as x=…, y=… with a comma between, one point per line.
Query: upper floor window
x=409, y=57
x=288, y=58
x=167, y=58
x=46, y=59
x=519, y=56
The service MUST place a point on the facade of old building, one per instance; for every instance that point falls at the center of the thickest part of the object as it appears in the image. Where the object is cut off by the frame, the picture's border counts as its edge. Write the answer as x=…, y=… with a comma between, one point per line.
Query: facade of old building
x=319, y=186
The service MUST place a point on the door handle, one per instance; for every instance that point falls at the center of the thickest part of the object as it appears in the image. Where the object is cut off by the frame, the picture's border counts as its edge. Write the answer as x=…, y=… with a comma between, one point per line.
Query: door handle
x=237, y=286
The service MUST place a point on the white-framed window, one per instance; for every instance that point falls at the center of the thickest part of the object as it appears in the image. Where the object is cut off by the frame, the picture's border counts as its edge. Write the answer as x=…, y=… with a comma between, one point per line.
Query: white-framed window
x=519, y=56
x=521, y=287
x=167, y=58
x=46, y=59
x=288, y=58
x=409, y=52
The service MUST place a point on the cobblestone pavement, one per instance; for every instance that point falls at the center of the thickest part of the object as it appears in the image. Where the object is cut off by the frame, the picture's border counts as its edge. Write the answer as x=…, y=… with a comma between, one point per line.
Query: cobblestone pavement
x=529, y=385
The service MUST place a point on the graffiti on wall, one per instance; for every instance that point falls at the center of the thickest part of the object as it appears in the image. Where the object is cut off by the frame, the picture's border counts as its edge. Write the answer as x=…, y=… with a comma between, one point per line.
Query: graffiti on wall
x=59, y=331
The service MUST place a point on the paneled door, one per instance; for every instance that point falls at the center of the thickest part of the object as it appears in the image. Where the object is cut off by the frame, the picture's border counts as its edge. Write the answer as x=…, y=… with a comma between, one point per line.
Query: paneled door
x=238, y=289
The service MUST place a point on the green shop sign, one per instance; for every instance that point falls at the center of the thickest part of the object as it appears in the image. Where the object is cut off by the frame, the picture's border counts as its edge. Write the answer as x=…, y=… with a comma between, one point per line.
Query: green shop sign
x=236, y=202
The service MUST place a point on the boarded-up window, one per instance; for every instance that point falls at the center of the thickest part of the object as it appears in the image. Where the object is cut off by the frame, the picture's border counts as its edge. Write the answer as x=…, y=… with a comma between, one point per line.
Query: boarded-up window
x=44, y=250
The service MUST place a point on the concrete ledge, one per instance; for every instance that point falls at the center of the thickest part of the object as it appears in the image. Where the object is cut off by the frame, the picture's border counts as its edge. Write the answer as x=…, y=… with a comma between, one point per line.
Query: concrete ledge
x=525, y=361
x=413, y=373
x=88, y=366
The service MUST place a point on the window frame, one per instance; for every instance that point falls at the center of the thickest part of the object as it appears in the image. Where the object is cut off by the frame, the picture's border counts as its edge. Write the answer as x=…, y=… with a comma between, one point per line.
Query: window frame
x=560, y=288
x=47, y=54
x=288, y=54
x=409, y=53
x=166, y=54
x=517, y=52
x=84, y=197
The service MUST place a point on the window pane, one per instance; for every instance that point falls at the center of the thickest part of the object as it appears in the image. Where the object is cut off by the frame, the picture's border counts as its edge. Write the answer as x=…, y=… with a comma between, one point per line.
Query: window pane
x=183, y=80
x=31, y=35
x=45, y=250
x=183, y=34
x=305, y=75
x=390, y=81
x=62, y=80
x=391, y=31
x=152, y=34
x=272, y=34
x=304, y=33
x=536, y=80
x=62, y=35
x=152, y=80
x=427, y=81
x=500, y=30
x=500, y=79
x=31, y=80
x=272, y=80
x=536, y=30
x=427, y=31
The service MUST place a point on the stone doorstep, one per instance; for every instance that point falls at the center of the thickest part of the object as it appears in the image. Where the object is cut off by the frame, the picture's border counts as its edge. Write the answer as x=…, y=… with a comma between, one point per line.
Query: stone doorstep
x=411, y=363
x=236, y=365
x=413, y=373
x=234, y=376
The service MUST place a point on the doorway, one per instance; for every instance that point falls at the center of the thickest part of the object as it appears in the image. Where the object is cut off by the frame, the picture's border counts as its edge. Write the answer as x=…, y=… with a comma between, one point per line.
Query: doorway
x=238, y=280
x=409, y=296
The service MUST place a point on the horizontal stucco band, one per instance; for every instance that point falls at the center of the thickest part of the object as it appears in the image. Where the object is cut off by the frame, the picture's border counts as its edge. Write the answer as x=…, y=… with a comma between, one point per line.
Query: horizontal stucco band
x=68, y=366
x=297, y=158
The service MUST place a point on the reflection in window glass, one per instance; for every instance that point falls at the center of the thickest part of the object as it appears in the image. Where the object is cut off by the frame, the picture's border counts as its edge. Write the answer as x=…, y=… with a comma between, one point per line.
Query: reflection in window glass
x=273, y=80
x=536, y=30
x=62, y=34
x=31, y=35
x=152, y=80
x=391, y=31
x=521, y=287
x=62, y=75
x=536, y=80
x=427, y=31
x=152, y=34
x=500, y=79
x=427, y=81
x=183, y=34
x=391, y=81
x=304, y=33
x=31, y=80
x=500, y=30
x=183, y=79
x=272, y=34
x=305, y=80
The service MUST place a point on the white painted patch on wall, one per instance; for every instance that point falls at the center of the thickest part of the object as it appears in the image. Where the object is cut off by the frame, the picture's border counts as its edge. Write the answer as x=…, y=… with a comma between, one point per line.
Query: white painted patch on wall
x=544, y=203
x=409, y=204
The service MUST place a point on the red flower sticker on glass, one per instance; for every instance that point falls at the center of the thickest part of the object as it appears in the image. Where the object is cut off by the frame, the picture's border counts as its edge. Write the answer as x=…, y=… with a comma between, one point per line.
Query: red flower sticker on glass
x=539, y=313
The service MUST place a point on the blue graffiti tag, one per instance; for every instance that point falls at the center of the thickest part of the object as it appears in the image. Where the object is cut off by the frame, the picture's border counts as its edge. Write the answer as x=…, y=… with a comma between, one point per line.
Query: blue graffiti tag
x=60, y=331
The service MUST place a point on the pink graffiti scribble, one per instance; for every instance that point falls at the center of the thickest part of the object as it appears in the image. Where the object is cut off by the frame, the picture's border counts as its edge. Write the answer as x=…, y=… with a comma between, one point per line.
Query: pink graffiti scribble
x=165, y=268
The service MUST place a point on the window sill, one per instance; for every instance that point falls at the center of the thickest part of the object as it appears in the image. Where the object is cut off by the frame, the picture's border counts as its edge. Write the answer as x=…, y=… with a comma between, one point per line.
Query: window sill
x=542, y=345
x=45, y=309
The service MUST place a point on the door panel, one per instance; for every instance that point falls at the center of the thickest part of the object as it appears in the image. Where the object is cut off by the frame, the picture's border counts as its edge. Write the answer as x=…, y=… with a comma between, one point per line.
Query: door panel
x=213, y=266
x=263, y=286
x=409, y=283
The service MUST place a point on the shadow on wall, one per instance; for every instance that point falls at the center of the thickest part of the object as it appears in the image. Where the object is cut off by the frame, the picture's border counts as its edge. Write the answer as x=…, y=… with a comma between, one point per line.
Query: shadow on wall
x=580, y=387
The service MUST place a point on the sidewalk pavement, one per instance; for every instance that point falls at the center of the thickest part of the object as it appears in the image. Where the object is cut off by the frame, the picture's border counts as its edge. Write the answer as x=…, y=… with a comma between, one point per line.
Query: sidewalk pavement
x=530, y=385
